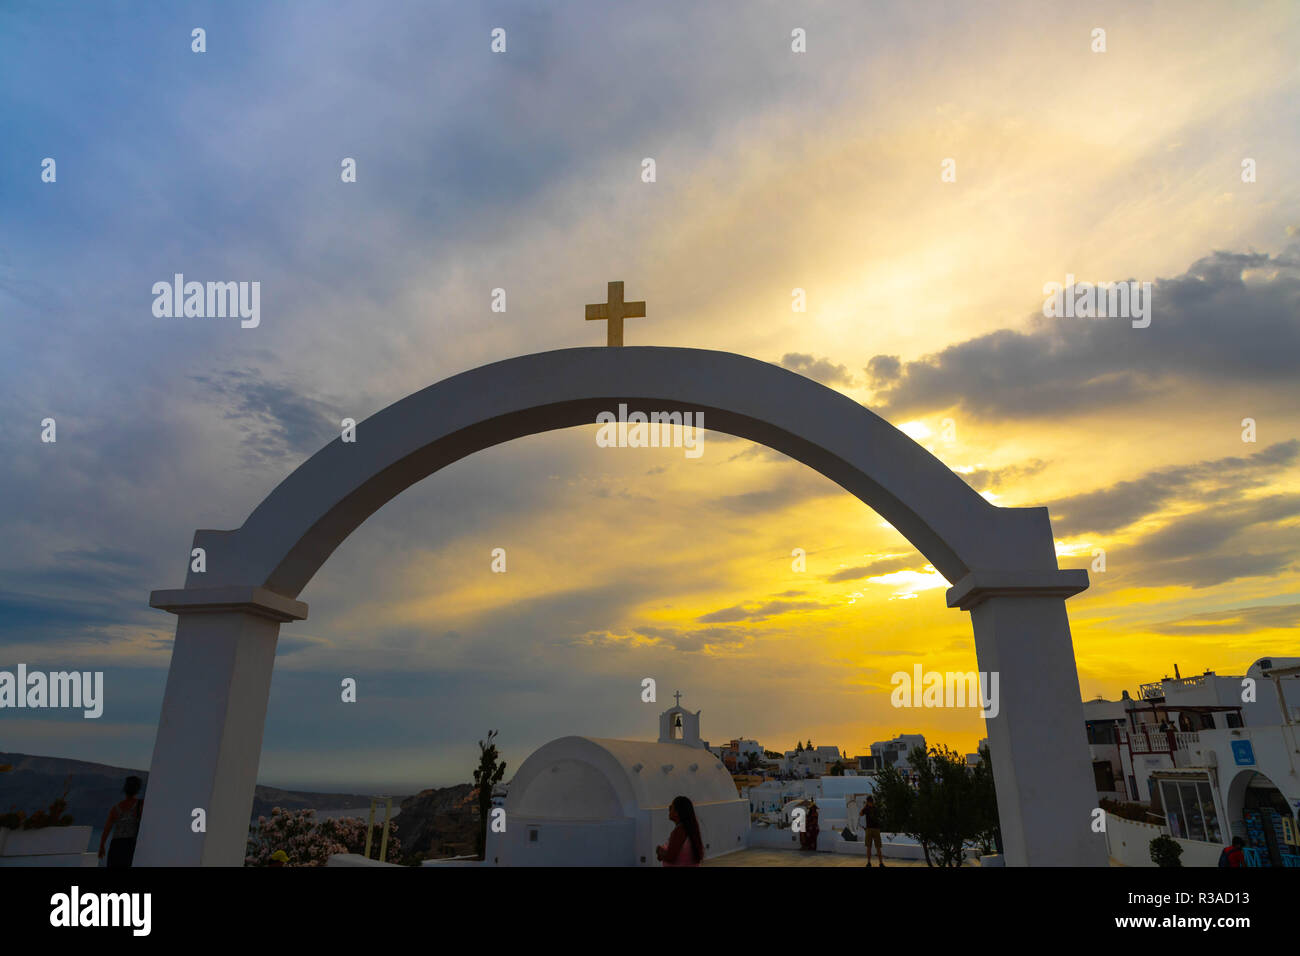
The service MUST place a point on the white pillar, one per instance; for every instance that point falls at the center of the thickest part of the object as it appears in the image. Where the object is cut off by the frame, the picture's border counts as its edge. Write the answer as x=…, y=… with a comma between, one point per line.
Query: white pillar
x=1037, y=741
x=210, y=732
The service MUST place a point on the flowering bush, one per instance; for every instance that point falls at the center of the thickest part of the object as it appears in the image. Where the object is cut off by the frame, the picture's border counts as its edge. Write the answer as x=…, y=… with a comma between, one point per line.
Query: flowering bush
x=52, y=816
x=310, y=842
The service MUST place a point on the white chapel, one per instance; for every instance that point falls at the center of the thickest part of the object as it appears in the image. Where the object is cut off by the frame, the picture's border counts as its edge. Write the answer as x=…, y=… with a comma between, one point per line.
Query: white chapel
x=591, y=801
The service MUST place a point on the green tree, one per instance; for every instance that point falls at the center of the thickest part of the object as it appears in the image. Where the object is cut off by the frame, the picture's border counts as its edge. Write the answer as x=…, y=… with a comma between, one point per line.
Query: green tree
x=487, y=775
x=946, y=813
x=987, y=832
x=895, y=799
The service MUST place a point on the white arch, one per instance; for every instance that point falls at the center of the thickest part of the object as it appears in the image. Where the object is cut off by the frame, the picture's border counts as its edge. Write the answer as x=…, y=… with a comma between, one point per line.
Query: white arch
x=290, y=534
x=1001, y=562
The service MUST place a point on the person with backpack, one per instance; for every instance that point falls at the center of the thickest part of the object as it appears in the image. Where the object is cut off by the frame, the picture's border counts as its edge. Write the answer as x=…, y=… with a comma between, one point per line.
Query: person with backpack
x=123, y=825
x=1233, y=855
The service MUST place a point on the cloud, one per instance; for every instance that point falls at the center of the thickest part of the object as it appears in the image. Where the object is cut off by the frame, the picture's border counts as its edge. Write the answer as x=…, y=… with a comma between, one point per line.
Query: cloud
x=883, y=566
x=1209, y=482
x=806, y=487
x=1230, y=318
x=819, y=370
x=688, y=640
x=276, y=421
x=1243, y=620
x=984, y=478
x=759, y=612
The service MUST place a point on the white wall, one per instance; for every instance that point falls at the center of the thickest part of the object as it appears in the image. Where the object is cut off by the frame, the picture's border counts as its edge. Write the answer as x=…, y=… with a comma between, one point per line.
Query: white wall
x=1129, y=844
x=724, y=827
x=1128, y=841
x=564, y=843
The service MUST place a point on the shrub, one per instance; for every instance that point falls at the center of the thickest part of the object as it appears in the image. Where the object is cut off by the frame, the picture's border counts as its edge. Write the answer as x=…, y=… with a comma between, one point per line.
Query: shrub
x=51, y=816
x=311, y=842
x=1165, y=851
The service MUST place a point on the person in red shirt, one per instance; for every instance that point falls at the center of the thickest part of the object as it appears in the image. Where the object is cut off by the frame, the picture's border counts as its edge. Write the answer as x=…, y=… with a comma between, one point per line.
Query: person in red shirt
x=1233, y=855
x=684, y=846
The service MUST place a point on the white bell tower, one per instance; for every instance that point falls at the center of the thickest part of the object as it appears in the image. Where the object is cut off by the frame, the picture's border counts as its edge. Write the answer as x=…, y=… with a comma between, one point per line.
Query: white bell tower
x=677, y=725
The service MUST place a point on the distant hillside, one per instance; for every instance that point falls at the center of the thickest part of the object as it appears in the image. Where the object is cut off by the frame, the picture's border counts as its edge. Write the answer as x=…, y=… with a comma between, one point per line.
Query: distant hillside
x=439, y=823
x=94, y=787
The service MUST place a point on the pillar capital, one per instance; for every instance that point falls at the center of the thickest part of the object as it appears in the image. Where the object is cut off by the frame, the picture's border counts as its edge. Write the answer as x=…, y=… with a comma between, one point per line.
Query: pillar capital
x=248, y=599
x=978, y=586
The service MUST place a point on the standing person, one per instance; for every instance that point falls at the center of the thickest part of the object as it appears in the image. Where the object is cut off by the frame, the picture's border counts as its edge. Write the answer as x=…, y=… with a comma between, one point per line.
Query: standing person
x=871, y=823
x=684, y=846
x=123, y=825
x=809, y=838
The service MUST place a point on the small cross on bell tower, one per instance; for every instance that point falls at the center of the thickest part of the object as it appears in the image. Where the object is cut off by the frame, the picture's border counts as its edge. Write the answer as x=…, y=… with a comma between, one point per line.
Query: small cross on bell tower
x=677, y=725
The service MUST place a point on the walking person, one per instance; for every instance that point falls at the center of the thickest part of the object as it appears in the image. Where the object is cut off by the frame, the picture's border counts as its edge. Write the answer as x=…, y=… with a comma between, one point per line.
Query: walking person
x=123, y=826
x=684, y=846
x=871, y=823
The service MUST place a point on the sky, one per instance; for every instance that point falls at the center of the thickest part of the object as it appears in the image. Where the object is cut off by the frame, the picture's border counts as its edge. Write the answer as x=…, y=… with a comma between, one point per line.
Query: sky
x=775, y=170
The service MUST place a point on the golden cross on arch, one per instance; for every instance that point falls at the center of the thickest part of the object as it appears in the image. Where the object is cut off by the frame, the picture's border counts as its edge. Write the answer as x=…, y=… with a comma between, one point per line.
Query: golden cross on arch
x=614, y=312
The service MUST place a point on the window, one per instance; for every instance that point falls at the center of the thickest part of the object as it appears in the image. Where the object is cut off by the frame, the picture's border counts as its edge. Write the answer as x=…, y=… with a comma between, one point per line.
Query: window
x=1189, y=810
x=1101, y=732
x=1207, y=807
x=532, y=834
x=1192, y=812
x=1173, y=808
x=1233, y=718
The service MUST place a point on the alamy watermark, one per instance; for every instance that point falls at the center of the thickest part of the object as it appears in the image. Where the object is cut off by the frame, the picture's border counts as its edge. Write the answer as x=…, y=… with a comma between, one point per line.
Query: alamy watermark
x=212, y=300
x=950, y=689
x=57, y=689
x=656, y=430
x=1084, y=300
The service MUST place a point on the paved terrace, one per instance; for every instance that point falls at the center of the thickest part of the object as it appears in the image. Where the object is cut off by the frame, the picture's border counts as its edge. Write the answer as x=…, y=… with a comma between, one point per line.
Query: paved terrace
x=764, y=856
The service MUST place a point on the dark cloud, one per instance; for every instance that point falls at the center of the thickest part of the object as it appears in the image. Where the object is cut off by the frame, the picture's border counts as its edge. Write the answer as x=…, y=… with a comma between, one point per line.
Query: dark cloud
x=1208, y=570
x=726, y=615
x=1212, y=547
x=1211, y=530
x=1208, y=325
x=883, y=566
x=277, y=421
x=883, y=370
x=1244, y=620
x=803, y=488
x=819, y=370
x=758, y=612
x=697, y=639
x=983, y=478
x=1210, y=482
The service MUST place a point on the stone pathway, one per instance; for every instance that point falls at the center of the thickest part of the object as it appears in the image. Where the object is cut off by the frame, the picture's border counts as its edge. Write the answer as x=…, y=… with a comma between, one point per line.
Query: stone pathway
x=770, y=857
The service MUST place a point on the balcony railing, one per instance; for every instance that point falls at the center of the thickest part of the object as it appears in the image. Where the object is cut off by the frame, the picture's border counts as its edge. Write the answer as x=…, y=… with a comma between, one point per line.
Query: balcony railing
x=1158, y=741
x=1156, y=689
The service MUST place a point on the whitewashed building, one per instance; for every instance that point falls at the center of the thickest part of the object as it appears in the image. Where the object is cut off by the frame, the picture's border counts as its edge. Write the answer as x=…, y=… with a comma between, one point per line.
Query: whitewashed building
x=893, y=753
x=1219, y=756
x=590, y=801
x=811, y=761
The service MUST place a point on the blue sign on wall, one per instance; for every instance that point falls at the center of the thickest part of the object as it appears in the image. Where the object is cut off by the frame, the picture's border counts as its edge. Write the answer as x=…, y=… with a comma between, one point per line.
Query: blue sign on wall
x=1243, y=753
